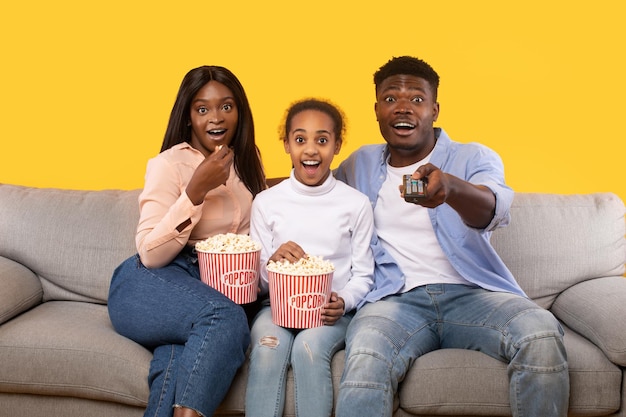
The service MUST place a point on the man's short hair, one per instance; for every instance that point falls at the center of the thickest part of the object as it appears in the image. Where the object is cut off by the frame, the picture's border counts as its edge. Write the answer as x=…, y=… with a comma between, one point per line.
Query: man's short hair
x=407, y=65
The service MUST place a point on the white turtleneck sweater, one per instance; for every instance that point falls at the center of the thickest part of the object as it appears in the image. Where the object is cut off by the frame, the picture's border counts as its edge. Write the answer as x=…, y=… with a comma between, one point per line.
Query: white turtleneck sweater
x=332, y=220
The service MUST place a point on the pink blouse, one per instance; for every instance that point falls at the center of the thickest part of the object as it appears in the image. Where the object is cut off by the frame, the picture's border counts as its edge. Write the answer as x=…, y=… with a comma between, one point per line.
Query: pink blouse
x=164, y=205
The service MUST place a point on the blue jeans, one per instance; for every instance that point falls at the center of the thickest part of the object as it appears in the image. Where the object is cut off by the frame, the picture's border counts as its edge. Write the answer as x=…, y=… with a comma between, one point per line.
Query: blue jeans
x=199, y=337
x=385, y=338
x=308, y=351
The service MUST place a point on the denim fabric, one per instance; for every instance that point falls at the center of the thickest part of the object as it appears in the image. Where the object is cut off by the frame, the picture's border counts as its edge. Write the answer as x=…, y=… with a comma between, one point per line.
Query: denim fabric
x=199, y=336
x=308, y=351
x=468, y=249
x=385, y=338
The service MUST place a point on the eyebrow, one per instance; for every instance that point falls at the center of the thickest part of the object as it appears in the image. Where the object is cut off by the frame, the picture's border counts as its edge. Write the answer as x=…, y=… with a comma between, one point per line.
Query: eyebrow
x=227, y=98
x=396, y=88
x=317, y=131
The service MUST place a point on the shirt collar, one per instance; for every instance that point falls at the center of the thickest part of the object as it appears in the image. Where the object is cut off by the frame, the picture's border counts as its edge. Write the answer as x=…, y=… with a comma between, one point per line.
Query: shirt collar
x=321, y=189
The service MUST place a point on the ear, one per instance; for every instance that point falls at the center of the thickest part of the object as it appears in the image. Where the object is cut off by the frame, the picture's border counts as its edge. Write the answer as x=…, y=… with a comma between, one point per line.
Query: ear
x=435, y=111
x=286, y=145
x=337, y=147
x=376, y=109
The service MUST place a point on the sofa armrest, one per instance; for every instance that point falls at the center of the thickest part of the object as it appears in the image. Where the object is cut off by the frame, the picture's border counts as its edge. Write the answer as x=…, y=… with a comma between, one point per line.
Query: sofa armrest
x=20, y=289
x=595, y=309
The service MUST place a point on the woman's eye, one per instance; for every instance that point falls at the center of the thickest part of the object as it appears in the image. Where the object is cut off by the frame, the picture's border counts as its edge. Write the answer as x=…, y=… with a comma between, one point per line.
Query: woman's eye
x=227, y=107
x=202, y=110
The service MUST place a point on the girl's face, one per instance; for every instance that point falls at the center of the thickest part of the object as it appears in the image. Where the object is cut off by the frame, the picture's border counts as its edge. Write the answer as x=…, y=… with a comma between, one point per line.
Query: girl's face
x=214, y=117
x=311, y=142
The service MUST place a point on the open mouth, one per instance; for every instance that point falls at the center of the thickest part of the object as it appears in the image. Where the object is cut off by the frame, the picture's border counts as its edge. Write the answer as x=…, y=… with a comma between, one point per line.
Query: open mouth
x=310, y=166
x=404, y=126
x=216, y=132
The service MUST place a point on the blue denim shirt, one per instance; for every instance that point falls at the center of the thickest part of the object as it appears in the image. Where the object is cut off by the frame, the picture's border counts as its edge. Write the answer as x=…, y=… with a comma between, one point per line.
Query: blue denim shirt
x=468, y=249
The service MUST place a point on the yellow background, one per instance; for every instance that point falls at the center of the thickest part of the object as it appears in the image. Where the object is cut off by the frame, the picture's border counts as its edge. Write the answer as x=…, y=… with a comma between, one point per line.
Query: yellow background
x=87, y=87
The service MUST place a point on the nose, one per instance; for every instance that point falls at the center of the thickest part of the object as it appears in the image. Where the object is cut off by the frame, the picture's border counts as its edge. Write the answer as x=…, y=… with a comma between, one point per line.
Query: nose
x=310, y=149
x=403, y=107
x=215, y=116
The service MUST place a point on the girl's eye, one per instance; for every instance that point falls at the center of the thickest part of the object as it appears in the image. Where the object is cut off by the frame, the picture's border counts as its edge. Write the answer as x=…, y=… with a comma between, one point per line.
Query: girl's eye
x=322, y=140
x=299, y=139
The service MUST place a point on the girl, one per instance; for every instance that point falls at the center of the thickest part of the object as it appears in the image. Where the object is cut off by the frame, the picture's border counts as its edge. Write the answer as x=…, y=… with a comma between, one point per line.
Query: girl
x=309, y=213
x=202, y=183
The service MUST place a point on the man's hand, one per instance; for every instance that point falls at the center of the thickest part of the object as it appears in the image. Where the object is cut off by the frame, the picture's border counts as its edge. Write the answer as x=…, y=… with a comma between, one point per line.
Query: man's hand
x=436, y=189
x=476, y=204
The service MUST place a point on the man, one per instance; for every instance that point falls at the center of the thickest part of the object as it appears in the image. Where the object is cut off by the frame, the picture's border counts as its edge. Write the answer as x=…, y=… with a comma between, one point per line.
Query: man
x=439, y=282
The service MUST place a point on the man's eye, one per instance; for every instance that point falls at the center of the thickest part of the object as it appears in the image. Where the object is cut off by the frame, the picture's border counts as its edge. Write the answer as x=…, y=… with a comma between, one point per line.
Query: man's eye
x=418, y=99
x=389, y=99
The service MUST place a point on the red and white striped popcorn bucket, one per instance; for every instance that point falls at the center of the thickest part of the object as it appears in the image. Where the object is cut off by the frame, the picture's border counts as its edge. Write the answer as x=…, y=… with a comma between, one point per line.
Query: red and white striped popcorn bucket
x=297, y=300
x=236, y=275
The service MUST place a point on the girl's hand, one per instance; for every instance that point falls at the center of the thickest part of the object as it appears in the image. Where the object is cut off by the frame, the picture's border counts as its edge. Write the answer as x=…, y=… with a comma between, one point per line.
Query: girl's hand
x=333, y=310
x=210, y=174
x=289, y=251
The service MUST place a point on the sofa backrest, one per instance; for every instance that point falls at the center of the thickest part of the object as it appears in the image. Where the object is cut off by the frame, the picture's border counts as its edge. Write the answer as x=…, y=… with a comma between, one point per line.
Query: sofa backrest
x=71, y=239
x=555, y=241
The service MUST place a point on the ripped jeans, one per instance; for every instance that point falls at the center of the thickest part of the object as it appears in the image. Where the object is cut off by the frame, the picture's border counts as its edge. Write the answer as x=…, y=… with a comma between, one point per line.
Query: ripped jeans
x=308, y=351
x=386, y=337
x=199, y=337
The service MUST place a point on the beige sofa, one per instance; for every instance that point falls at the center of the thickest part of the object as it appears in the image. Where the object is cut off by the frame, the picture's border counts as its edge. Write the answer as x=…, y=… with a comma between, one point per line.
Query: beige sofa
x=59, y=355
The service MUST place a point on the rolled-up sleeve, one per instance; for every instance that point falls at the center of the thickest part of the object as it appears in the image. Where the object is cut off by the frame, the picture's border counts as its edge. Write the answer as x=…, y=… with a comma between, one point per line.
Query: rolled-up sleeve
x=486, y=168
x=163, y=205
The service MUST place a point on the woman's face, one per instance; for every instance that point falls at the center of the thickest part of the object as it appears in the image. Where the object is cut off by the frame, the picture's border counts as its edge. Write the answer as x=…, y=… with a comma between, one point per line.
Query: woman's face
x=312, y=144
x=214, y=116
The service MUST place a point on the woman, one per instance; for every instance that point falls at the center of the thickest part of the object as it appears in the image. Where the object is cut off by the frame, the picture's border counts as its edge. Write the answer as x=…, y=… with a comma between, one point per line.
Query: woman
x=201, y=184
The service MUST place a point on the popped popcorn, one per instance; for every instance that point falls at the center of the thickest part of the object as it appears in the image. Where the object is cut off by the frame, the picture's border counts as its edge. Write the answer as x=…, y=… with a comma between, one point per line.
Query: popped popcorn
x=308, y=265
x=228, y=243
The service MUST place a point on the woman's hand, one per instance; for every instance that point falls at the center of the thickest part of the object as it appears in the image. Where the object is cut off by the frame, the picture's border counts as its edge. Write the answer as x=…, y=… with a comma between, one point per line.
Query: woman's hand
x=333, y=310
x=210, y=174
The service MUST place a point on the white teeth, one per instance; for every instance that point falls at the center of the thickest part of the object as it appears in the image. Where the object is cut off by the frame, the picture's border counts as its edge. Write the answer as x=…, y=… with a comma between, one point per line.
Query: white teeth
x=217, y=131
x=403, y=124
x=310, y=162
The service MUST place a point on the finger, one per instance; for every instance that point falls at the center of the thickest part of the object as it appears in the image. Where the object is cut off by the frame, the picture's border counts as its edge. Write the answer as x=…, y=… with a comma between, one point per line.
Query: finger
x=294, y=249
x=221, y=152
x=423, y=171
x=217, y=151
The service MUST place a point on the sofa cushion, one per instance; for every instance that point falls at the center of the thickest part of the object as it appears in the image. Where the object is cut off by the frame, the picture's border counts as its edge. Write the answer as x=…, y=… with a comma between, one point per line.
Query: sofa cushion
x=67, y=348
x=21, y=289
x=71, y=239
x=593, y=308
x=569, y=238
x=50, y=406
x=464, y=382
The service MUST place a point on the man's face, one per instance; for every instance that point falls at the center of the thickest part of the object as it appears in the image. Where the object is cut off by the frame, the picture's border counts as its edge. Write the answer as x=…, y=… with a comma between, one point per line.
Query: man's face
x=406, y=109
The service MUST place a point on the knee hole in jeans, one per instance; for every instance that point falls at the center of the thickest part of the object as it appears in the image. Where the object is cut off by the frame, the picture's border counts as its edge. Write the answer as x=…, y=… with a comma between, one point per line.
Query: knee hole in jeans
x=269, y=341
